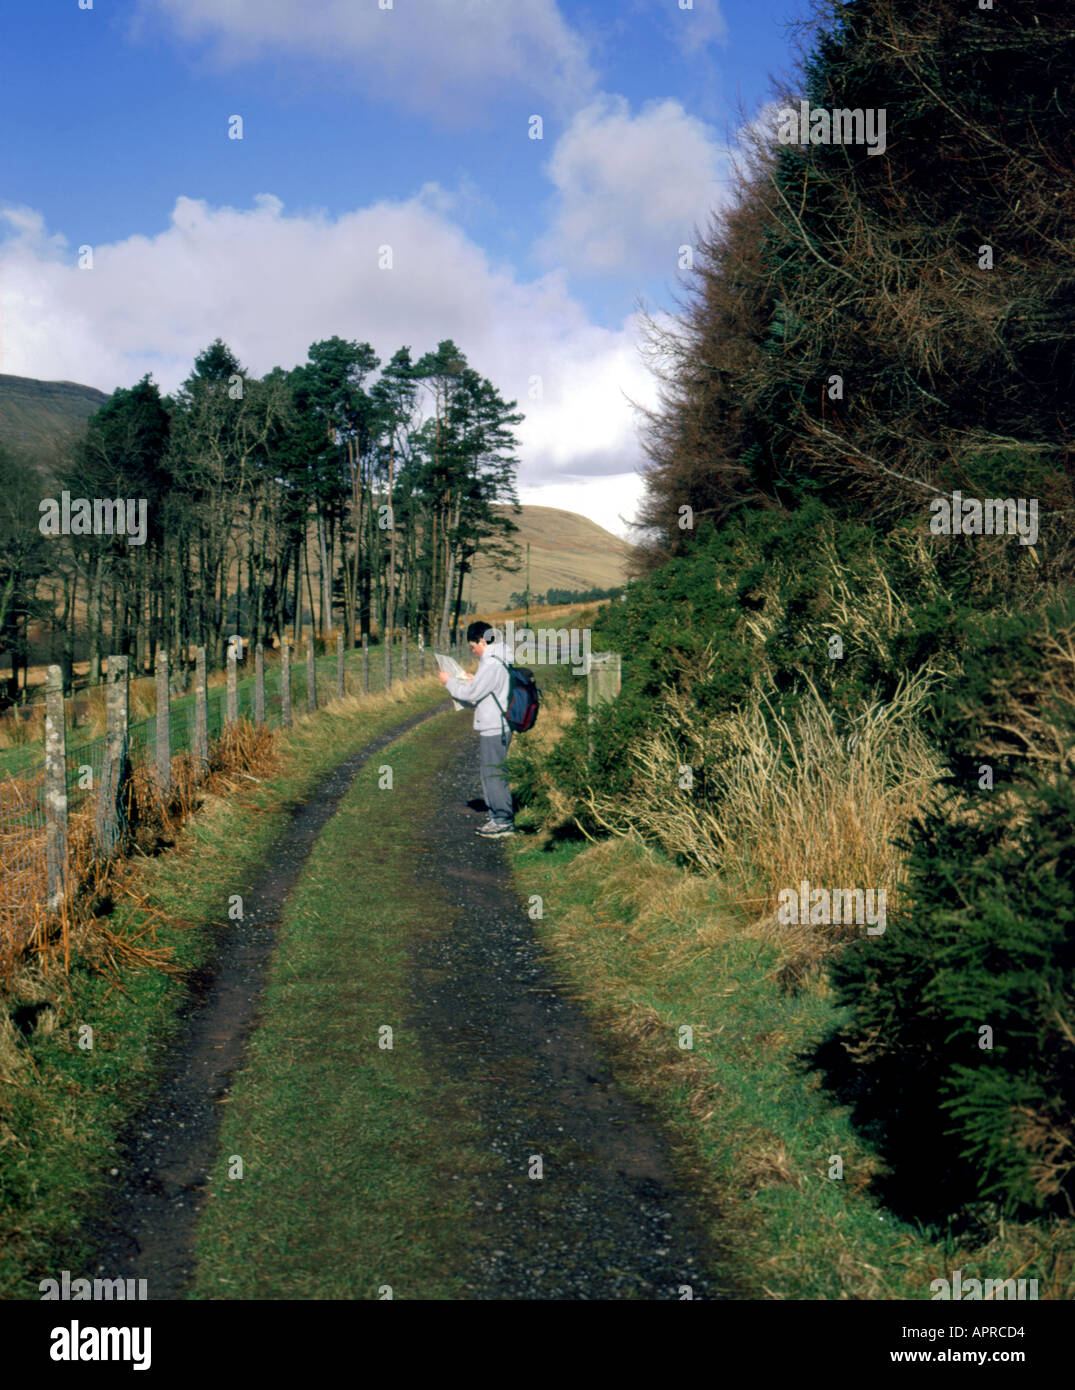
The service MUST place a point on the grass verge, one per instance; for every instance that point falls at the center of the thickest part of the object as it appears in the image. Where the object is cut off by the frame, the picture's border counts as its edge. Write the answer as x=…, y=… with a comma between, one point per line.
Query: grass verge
x=650, y=949
x=62, y=1105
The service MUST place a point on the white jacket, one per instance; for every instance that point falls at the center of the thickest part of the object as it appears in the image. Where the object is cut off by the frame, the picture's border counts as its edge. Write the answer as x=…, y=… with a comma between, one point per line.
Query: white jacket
x=487, y=691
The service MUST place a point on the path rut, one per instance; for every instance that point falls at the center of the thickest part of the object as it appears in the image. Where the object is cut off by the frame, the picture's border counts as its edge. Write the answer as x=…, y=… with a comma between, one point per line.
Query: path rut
x=165, y=1154
x=608, y=1219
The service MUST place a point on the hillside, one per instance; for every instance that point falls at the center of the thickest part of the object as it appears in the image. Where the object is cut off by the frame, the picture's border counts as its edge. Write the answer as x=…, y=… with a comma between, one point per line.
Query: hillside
x=567, y=551
x=40, y=416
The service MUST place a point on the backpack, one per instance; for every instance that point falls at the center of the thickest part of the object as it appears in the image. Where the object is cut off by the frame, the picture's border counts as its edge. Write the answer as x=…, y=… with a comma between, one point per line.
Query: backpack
x=524, y=697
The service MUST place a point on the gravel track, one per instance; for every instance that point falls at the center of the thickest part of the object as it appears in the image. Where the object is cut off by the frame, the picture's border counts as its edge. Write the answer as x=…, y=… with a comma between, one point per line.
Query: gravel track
x=608, y=1219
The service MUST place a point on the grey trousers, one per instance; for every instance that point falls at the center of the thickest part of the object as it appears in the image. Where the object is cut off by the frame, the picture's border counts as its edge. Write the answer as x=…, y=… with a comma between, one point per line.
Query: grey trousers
x=493, y=749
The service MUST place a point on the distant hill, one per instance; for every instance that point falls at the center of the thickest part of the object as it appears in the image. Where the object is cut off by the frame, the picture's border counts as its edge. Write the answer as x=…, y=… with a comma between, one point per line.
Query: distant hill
x=40, y=417
x=567, y=551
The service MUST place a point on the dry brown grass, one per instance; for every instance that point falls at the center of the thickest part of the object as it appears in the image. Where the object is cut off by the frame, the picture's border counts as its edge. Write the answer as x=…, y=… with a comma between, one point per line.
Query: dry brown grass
x=779, y=800
x=30, y=934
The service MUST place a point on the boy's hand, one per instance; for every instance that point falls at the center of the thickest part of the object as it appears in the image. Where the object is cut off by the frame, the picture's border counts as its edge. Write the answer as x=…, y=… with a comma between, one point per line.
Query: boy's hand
x=443, y=677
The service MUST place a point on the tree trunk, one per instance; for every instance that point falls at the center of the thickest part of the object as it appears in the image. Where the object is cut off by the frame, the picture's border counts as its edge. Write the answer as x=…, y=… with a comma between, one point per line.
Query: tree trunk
x=449, y=570
x=309, y=585
x=326, y=572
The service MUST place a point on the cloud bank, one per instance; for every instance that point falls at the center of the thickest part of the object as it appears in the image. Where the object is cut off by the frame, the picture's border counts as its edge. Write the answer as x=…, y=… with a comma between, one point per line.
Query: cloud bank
x=452, y=59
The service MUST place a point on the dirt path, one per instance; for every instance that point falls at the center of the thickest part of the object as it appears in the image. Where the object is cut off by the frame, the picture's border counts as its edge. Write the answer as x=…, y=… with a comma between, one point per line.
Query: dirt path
x=606, y=1219
x=166, y=1153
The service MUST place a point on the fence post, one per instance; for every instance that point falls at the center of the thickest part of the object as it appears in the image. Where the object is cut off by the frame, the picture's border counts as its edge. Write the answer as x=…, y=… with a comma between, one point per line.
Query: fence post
x=365, y=663
x=259, y=685
x=404, y=662
x=421, y=653
x=55, y=788
x=341, y=679
x=602, y=683
x=285, y=680
x=231, y=714
x=387, y=638
x=164, y=725
x=201, y=715
x=311, y=673
x=111, y=821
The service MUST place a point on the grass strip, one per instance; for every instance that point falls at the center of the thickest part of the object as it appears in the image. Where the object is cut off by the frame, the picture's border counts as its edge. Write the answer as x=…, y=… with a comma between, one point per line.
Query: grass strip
x=354, y=1159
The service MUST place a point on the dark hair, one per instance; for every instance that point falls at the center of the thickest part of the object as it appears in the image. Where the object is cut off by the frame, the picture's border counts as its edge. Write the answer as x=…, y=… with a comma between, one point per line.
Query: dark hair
x=481, y=631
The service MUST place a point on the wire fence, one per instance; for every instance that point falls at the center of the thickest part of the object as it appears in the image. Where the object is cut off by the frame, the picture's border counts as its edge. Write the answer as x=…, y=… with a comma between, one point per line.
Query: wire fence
x=77, y=786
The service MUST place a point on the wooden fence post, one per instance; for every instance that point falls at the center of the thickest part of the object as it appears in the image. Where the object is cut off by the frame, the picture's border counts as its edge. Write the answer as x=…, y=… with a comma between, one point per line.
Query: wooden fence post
x=164, y=725
x=259, y=685
x=285, y=681
x=387, y=639
x=341, y=678
x=201, y=715
x=311, y=673
x=421, y=653
x=603, y=674
x=55, y=788
x=404, y=654
x=365, y=663
x=111, y=827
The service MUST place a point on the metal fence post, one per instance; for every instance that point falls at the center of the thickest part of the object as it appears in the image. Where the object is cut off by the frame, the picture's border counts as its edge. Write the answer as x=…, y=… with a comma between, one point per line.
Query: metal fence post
x=365, y=663
x=201, y=715
x=311, y=674
x=55, y=788
x=164, y=725
x=285, y=681
x=111, y=820
x=259, y=685
x=341, y=679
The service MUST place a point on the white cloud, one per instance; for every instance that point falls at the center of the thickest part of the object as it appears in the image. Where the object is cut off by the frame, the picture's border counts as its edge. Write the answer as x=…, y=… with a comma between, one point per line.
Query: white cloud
x=449, y=57
x=695, y=28
x=270, y=284
x=631, y=189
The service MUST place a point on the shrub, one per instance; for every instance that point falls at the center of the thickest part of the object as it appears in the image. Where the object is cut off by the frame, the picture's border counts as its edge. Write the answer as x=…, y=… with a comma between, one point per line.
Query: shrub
x=986, y=941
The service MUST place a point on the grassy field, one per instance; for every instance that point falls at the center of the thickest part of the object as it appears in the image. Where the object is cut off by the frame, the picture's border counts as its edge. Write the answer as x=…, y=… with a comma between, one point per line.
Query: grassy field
x=60, y=1106
x=22, y=738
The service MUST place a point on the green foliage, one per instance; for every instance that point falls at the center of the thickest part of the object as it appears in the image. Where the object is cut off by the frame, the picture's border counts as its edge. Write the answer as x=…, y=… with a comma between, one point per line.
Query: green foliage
x=756, y=603
x=988, y=941
x=558, y=597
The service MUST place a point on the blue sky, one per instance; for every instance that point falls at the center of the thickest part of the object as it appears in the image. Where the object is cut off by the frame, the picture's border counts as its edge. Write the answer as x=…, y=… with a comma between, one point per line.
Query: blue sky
x=406, y=126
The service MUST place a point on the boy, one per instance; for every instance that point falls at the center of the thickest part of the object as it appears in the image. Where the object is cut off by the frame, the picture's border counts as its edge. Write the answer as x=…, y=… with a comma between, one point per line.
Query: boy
x=487, y=691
